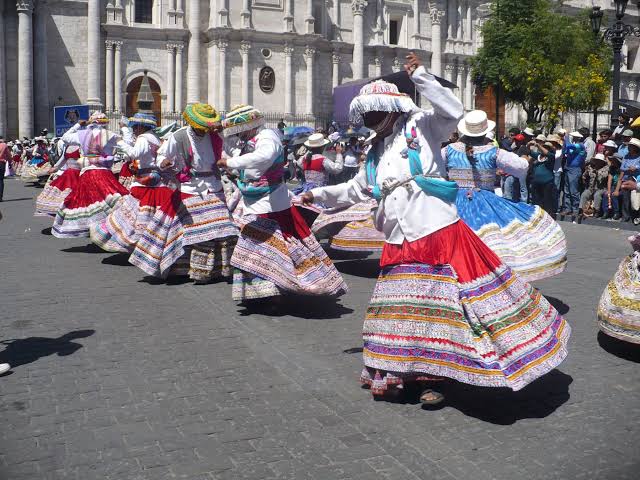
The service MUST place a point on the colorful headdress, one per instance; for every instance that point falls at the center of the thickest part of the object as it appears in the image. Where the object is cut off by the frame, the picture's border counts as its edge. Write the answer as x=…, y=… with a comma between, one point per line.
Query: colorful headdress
x=143, y=119
x=379, y=96
x=242, y=118
x=98, y=117
x=201, y=116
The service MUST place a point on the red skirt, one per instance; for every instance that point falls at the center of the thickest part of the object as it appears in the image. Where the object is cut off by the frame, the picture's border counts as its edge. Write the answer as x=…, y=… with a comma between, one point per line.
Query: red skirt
x=125, y=171
x=455, y=245
x=68, y=179
x=94, y=186
x=291, y=221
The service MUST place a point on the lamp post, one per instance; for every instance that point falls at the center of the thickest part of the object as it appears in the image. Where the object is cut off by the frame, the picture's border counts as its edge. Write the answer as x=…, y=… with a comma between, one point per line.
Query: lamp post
x=616, y=35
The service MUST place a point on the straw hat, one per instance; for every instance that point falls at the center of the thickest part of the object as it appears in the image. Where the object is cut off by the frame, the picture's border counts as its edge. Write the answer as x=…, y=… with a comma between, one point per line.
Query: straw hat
x=598, y=160
x=316, y=140
x=627, y=133
x=562, y=131
x=528, y=132
x=553, y=138
x=541, y=138
x=476, y=124
x=635, y=142
x=610, y=144
x=576, y=135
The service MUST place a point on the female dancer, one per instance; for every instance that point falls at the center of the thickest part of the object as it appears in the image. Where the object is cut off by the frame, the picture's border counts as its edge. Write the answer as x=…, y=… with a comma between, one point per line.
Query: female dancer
x=58, y=189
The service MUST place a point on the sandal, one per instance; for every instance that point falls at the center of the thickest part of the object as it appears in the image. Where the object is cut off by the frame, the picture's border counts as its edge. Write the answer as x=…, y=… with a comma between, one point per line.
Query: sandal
x=431, y=397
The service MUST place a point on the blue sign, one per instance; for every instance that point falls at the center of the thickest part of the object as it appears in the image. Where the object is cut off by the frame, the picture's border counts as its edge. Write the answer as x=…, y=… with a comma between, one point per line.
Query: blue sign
x=67, y=116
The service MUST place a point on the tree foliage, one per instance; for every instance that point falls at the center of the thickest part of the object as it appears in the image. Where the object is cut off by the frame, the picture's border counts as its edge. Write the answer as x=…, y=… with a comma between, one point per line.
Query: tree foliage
x=542, y=59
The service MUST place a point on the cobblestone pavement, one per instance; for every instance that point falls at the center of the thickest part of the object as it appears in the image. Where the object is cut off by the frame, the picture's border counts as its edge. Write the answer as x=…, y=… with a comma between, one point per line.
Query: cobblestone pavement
x=115, y=377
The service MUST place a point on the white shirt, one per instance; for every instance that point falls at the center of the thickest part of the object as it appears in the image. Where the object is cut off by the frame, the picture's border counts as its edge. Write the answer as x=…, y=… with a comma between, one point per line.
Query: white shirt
x=144, y=150
x=204, y=160
x=72, y=137
x=403, y=215
x=350, y=157
x=267, y=150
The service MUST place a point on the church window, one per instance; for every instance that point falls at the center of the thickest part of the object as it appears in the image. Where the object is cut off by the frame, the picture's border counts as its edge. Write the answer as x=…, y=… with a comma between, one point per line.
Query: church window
x=144, y=11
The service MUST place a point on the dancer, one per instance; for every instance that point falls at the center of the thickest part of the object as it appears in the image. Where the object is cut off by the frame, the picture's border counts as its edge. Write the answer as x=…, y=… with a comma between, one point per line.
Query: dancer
x=16, y=158
x=64, y=179
x=121, y=229
x=38, y=165
x=444, y=305
x=315, y=165
x=194, y=233
x=97, y=190
x=276, y=251
x=524, y=236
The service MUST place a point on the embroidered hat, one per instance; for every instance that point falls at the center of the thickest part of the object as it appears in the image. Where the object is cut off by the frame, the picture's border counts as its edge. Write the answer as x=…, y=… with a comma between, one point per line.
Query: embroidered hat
x=242, y=118
x=379, y=96
x=143, y=119
x=476, y=124
x=98, y=117
x=201, y=116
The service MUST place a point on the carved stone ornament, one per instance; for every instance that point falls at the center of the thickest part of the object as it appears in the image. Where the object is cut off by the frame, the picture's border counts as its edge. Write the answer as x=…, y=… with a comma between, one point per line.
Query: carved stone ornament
x=358, y=6
x=435, y=13
x=267, y=79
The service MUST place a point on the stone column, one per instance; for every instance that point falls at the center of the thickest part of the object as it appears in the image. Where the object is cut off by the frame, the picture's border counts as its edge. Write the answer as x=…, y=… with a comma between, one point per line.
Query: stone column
x=212, y=64
x=171, y=78
x=397, y=65
x=358, y=7
x=335, y=61
x=41, y=80
x=436, y=38
x=288, y=79
x=309, y=55
x=213, y=8
x=179, y=76
x=309, y=20
x=448, y=72
x=224, y=100
x=193, y=67
x=93, y=55
x=25, y=68
x=468, y=90
x=3, y=77
x=377, y=62
x=117, y=74
x=337, y=33
x=246, y=14
x=288, y=25
x=245, y=47
x=108, y=94
x=416, y=23
x=379, y=22
x=452, y=12
x=468, y=28
x=459, y=21
x=460, y=82
x=223, y=14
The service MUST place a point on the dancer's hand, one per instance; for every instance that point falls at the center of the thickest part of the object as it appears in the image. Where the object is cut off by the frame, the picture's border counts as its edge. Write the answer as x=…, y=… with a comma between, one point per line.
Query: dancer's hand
x=166, y=163
x=222, y=163
x=306, y=198
x=413, y=62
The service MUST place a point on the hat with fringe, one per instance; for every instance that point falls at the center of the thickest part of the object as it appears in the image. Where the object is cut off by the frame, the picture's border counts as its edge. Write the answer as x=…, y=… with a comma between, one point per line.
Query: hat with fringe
x=98, y=117
x=143, y=119
x=242, y=118
x=379, y=96
x=201, y=116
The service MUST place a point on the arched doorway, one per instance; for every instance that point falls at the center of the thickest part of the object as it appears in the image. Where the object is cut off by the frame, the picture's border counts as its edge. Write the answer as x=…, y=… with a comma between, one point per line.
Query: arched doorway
x=132, y=97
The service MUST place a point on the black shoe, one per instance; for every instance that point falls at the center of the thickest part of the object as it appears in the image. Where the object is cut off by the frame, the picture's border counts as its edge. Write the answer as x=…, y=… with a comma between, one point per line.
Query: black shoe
x=617, y=217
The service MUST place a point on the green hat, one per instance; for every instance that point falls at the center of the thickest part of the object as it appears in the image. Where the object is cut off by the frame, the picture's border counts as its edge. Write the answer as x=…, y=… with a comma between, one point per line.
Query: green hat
x=242, y=118
x=201, y=116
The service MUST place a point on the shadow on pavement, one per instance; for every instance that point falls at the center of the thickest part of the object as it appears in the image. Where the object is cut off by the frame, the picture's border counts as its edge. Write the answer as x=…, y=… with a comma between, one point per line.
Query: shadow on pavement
x=46, y=231
x=619, y=348
x=28, y=350
x=119, y=259
x=299, y=306
x=502, y=406
x=173, y=280
x=558, y=304
x=368, y=268
x=342, y=255
x=89, y=248
x=16, y=199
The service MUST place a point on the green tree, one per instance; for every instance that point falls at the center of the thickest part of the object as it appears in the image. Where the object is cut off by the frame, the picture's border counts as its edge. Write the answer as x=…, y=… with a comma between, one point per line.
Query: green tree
x=542, y=59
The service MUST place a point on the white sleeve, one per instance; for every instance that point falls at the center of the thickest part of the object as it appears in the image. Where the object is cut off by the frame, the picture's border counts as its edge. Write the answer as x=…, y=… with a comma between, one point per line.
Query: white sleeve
x=511, y=163
x=260, y=159
x=333, y=167
x=71, y=136
x=127, y=136
x=169, y=151
x=345, y=194
x=140, y=148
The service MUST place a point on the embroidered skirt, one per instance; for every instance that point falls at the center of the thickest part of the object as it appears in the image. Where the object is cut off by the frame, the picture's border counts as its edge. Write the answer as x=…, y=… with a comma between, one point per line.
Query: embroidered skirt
x=120, y=231
x=96, y=193
x=619, y=308
x=32, y=171
x=524, y=236
x=207, y=261
x=126, y=176
x=277, y=253
x=184, y=220
x=446, y=306
x=55, y=192
x=350, y=229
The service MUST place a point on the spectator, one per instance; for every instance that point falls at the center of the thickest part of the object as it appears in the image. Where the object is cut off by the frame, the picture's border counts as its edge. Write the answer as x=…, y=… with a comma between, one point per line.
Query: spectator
x=542, y=182
x=5, y=159
x=507, y=143
x=351, y=160
x=511, y=185
x=556, y=140
x=611, y=206
x=589, y=144
x=628, y=171
x=603, y=137
x=575, y=159
x=524, y=151
x=623, y=149
x=281, y=125
x=610, y=147
x=594, y=179
x=452, y=139
x=623, y=124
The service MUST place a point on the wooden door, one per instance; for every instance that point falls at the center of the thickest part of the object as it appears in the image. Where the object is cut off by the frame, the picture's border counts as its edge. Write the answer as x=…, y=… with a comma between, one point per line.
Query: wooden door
x=132, y=97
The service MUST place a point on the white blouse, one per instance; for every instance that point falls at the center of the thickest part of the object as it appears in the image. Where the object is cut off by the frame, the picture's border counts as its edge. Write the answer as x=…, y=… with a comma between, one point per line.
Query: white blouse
x=144, y=150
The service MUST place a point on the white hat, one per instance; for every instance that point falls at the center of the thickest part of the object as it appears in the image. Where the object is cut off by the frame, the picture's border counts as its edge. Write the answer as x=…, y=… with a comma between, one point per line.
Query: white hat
x=528, y=132
x=554, y=138
x=576, y=135
x=562, y=131
x=316, y=140
x=610, y=143
x=491, y=135
x=627, y=133
x=599, y=156
x=635, y=142
x=541, y=138
x=476, y=124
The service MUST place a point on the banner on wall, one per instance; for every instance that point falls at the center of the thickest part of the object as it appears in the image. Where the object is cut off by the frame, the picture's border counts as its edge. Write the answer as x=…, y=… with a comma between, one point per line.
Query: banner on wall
x=67, y=116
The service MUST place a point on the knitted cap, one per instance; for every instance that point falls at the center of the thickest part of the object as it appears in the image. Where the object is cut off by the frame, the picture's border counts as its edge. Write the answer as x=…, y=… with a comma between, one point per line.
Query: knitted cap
x=379, y=96
x=143, y=119
x=98, y=117
x=201, y=116
x=242, y=118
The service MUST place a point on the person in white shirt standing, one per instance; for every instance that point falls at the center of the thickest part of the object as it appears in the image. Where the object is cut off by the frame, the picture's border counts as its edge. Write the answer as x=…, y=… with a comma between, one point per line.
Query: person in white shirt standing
x=276, y=251
x=444, y=305
x=193, y=234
